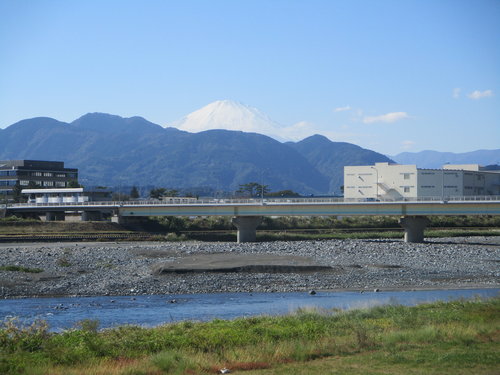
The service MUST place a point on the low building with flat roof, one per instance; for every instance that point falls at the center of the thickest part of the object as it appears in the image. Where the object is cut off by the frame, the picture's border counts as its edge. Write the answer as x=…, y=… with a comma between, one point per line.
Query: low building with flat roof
x=395, y=181
x=68, y=195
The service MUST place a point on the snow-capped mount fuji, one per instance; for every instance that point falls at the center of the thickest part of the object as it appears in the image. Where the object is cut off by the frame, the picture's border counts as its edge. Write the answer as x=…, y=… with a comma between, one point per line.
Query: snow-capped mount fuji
x=107, y=147
x=230, y=115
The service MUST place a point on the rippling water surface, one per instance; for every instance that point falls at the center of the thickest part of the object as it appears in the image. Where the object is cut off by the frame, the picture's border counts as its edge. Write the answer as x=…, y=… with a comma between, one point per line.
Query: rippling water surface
x=63, y=313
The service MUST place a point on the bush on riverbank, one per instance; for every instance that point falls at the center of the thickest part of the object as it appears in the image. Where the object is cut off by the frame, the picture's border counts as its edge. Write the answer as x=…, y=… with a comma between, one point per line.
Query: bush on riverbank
x=296, y=228
x=177, y=224
x=15, y=268
x=289, y=228
x=267, y=236
x=446, y=337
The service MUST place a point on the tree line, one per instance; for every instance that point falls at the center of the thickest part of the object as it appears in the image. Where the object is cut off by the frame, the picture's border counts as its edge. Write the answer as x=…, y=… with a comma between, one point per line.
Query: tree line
x=248, y=190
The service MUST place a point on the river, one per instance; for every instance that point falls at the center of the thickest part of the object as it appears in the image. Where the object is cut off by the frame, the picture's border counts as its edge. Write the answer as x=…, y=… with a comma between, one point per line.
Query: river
x=64, y=313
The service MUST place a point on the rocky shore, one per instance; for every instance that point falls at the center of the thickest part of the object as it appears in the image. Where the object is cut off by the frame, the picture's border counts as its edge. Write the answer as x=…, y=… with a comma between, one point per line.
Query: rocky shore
x=134, y=268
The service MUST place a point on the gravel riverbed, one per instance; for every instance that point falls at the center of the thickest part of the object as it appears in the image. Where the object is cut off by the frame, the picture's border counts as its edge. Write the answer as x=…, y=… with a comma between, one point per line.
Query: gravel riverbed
x=127, y=268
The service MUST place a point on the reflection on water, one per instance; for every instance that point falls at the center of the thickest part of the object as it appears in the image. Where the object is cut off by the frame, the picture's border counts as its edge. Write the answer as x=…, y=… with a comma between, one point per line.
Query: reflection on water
x=63, y=313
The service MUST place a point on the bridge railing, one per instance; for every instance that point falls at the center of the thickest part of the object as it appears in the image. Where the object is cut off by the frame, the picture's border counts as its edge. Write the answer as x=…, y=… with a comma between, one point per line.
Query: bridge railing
x=250, y=201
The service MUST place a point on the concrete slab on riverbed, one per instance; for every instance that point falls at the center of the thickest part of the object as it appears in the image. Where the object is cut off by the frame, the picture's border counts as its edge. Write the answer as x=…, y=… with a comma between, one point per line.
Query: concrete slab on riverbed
x=226, y=263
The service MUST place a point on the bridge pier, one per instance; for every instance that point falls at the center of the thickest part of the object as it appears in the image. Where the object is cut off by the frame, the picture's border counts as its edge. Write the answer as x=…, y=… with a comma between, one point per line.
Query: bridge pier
x=247, y=227
x=122, y=220
x=132, y=222
x=54, y=216
x=91, y=216
x=414, y=227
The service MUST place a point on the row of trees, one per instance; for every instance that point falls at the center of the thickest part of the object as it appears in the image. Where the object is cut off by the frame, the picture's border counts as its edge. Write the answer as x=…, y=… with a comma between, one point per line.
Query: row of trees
x=250, y=190
x=156, y=193
x=255, y=190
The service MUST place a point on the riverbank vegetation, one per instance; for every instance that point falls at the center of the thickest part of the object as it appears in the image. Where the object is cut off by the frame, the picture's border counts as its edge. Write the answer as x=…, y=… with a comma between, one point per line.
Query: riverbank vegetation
x=15, y=268
x=459, y=337
x=361, y=223
x=289, y=228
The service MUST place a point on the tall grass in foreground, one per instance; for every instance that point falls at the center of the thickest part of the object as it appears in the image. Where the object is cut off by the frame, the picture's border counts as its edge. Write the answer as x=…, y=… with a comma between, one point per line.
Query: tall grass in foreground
x=390, y=332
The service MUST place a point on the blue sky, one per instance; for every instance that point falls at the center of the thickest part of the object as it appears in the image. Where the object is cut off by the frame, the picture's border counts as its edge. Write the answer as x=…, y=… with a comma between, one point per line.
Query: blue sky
x=387, y=75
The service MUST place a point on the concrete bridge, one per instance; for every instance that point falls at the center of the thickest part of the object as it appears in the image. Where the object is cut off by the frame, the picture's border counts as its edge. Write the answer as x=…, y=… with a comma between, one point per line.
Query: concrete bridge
x=247, y=213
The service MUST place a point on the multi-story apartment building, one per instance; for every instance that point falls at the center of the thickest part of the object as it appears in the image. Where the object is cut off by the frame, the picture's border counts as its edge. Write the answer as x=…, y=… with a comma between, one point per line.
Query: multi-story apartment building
x=394, y=181
x=43, y=174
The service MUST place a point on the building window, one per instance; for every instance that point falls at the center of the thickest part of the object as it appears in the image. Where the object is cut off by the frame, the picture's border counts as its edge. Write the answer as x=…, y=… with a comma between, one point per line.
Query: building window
x=406, y=189
x=60, y=184
x=8, y=173
x=48, y=174
x=61, y=175
x=48, y=183
x=406, y=176
x=8, y=183
x=24, y=182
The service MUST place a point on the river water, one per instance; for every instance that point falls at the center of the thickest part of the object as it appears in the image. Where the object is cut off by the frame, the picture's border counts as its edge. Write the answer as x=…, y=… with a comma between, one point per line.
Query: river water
x=64, y=313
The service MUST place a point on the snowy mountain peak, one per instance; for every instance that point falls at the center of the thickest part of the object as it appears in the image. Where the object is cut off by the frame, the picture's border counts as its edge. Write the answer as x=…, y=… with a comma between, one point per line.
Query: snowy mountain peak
x=230, y=115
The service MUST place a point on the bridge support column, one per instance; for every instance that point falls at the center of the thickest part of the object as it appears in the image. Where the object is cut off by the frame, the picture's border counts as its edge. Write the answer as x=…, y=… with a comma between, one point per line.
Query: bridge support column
x=247, y=227
x=131, y=222
x=54, y=216
x=414, y=227
x=91, y=216
x=119, y=219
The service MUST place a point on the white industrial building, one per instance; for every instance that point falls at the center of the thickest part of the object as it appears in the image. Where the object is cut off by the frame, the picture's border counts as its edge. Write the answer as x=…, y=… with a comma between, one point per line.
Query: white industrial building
x=395, y=181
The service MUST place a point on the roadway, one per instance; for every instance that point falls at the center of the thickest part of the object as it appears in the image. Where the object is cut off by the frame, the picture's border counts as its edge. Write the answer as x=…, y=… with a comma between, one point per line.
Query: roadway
x=247, y=213
x=489, y=205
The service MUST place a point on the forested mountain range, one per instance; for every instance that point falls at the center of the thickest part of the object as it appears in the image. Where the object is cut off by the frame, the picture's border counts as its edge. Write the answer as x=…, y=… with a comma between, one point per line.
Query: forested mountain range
x=435, y=159
x=115, y=151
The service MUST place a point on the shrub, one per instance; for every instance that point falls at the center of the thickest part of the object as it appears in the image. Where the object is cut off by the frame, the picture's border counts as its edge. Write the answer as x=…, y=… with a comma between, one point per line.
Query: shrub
x=21, y=269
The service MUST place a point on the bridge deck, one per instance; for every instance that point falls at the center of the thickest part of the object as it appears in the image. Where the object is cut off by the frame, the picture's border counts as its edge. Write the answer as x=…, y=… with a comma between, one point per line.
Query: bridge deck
x=280, y=207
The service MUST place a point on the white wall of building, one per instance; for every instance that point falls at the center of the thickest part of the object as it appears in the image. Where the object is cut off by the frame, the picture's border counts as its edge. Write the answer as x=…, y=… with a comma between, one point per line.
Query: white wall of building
x=380, y=180
x=360, y=182
x=492, y=183
x=394, y=181
x=430, y=183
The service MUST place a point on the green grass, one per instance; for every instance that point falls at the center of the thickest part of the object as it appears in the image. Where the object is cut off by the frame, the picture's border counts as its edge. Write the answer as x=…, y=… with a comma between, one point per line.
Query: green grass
x=266, y=236
x=439, y=338
x=432, y=233
x=20, y=269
